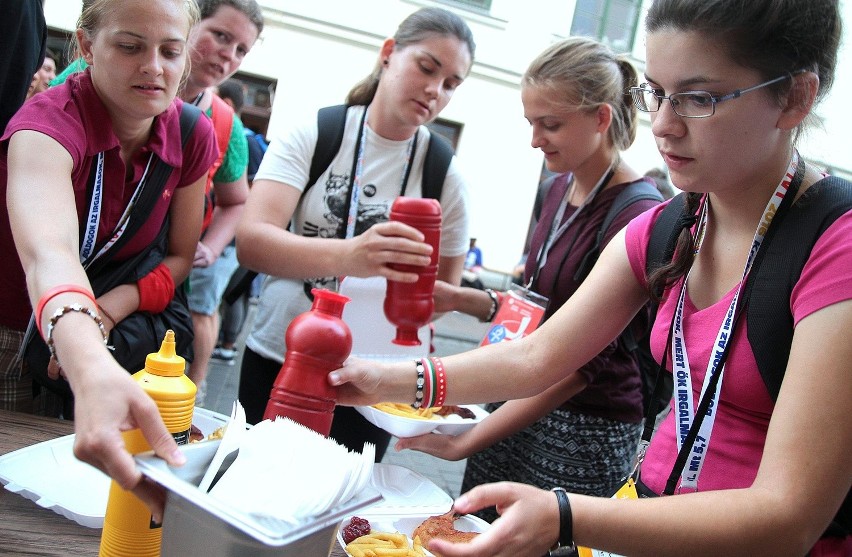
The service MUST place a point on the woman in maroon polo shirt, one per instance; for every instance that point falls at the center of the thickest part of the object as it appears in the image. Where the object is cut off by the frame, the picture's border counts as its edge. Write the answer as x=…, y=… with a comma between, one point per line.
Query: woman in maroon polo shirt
x=103, y=129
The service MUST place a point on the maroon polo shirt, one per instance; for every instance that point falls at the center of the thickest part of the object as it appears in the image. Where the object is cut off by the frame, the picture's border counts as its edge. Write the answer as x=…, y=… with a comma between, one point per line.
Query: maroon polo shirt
x=75, y=117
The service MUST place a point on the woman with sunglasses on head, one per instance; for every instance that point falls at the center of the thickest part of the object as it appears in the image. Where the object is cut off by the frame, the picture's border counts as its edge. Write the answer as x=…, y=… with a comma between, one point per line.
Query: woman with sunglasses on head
x=102, y=131
x=340, y=228
x=729, y=83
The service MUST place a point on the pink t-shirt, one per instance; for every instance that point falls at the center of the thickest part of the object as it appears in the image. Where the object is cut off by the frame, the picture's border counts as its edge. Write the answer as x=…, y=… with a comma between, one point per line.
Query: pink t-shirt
x=745, y=407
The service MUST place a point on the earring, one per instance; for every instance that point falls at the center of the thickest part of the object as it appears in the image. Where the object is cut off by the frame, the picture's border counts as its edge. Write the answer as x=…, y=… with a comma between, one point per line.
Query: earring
x=385, y=61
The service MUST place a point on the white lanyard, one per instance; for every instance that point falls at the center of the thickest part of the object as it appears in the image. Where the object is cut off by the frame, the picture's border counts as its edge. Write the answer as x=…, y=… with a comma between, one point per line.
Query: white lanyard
x=557, y=230
x=90, y=233
x=359, y=171
x=683, y=401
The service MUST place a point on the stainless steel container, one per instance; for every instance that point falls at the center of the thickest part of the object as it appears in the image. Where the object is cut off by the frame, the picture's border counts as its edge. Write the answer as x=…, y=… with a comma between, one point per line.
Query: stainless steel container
x=196, y=523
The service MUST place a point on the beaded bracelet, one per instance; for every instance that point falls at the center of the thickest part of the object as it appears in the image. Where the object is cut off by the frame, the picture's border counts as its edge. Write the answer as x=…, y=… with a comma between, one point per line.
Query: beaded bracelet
x=418, y=394
x=565, y=544
x=64, y=310
x=54, y=292
x=495, y=303
x=440, y=385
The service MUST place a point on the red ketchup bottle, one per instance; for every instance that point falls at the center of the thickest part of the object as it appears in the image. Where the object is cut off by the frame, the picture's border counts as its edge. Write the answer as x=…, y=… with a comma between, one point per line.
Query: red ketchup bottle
x=409, y=306
x=318, y=342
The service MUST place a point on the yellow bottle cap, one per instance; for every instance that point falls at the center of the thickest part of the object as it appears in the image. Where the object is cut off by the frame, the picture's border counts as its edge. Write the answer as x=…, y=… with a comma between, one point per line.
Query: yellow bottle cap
x=166, y=362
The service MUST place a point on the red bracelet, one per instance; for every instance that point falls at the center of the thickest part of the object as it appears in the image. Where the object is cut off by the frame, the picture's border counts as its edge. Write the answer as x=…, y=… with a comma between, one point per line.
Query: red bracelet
x=441, y=381
x=54, y=292
x=156, y=289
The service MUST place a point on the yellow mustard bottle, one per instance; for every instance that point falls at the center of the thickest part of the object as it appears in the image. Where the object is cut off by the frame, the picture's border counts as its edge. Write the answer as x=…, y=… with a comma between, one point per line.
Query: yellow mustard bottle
x=128, y=529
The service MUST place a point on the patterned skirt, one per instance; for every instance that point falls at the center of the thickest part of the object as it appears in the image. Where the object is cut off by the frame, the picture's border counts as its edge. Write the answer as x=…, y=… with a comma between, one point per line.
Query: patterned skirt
x=584, y=454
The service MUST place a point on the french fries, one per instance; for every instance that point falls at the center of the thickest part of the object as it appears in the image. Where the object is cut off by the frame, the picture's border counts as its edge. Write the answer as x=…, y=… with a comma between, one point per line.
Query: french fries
x=385, y=544
x=407, y=411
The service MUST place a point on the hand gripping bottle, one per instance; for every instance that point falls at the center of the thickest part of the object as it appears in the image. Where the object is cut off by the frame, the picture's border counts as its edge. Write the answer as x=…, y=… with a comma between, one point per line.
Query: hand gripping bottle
x=128, y=528
x=318, y=342
x=407, y=305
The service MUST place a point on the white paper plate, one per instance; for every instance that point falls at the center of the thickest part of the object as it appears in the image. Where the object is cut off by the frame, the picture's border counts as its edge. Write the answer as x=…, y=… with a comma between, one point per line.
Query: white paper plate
x=406, y=524
x=402, y=426
x=49, y=474
x=403, y=490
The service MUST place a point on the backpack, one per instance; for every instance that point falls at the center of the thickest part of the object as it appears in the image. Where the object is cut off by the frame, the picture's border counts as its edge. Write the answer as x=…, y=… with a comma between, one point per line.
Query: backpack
x=222, y=117
x=637, y=336
x=775, y=272
x=257, y=146
x=331, y=123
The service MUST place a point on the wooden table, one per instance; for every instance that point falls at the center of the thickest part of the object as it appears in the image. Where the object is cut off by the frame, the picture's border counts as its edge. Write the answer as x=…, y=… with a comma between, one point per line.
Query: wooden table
x=28, y=529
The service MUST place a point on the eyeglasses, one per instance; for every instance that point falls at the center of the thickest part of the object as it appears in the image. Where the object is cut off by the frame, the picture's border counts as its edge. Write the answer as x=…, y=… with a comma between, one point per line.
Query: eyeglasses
x=691, y=104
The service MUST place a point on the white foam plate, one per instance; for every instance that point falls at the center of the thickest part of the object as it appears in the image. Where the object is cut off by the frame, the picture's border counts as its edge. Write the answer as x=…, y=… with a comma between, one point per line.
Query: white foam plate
x=403, y=489
x=407, y=523
x=402, y=426
x=49, y=474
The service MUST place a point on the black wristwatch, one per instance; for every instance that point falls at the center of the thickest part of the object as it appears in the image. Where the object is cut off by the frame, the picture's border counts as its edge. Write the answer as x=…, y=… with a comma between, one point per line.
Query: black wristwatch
x=564, y=546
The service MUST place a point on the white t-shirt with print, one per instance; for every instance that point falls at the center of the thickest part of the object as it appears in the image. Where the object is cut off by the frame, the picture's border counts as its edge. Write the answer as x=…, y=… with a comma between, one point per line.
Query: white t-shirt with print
x=320, y=213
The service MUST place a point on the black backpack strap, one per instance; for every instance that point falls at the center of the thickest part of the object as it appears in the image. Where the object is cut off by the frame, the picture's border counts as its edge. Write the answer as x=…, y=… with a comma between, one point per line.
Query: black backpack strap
x=770, y=321
x=633, y=193
x=439, y=155
x=331, y=123
x=189, y=115
x=664, y=234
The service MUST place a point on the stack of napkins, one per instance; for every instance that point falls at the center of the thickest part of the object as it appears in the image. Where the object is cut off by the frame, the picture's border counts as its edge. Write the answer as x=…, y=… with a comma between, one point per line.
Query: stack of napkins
x=289, y=472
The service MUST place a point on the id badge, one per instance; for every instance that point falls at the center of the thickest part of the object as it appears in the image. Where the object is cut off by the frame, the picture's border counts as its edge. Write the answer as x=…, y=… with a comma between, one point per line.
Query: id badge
x=519, y=315
x=626, y=491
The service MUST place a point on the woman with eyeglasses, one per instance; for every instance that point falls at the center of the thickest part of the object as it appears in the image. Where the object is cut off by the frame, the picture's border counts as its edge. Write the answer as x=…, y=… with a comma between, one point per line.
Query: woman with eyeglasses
x=574, y=98
x=763, y=471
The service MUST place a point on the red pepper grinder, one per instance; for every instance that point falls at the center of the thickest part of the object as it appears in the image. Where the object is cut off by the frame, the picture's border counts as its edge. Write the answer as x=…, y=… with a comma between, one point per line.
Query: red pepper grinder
x=409, y=306
x=318, y=342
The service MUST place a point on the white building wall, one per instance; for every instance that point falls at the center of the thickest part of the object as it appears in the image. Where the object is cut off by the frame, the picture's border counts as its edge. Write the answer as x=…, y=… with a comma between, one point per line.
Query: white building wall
x=318, y=49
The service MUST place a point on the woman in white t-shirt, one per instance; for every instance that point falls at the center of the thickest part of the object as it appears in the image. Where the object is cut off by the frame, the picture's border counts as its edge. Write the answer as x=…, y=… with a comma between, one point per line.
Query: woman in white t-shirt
x=417, y=72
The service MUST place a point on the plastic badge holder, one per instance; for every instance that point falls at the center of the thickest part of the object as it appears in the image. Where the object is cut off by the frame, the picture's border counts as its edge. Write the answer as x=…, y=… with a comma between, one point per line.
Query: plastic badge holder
x=196, y=523
x=402, y=426
x=49, y=474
